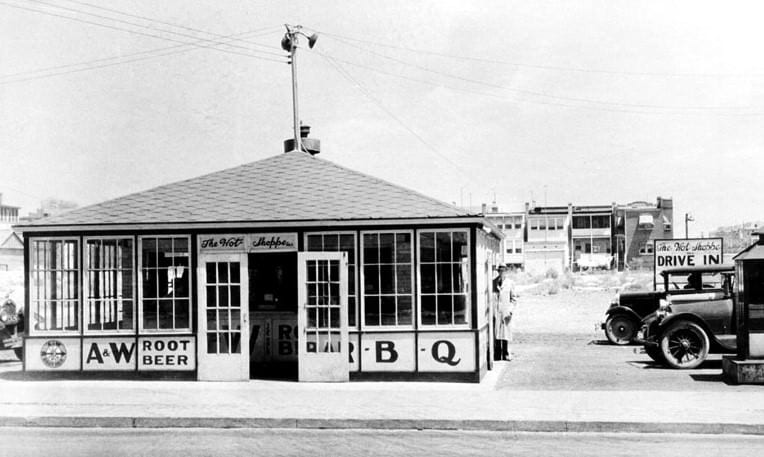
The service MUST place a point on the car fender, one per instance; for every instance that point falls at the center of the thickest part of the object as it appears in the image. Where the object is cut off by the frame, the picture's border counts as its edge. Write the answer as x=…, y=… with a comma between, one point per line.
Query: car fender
x=692, y=318
x=622, y=310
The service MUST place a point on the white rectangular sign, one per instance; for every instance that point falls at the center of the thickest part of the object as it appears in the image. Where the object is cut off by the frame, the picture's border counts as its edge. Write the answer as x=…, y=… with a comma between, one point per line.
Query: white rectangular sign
x=387, y=352
x=248, y=242
x=46, y=354
x=447, y=351
x=223, y=243
x=686, y=253
x=167, y=353
x=109, y=354
x=267, y=242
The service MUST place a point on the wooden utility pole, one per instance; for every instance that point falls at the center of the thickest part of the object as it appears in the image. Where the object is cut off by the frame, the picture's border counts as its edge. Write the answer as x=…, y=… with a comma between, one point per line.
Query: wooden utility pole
x=289, y=44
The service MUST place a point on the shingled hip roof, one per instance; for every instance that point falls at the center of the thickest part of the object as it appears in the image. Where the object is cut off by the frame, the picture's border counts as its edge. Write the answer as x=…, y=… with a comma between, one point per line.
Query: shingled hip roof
x=293, y=186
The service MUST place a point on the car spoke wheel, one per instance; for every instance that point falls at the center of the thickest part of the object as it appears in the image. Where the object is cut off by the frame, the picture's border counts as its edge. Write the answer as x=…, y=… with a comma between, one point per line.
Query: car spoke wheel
x=620, y=329
x=684, y=345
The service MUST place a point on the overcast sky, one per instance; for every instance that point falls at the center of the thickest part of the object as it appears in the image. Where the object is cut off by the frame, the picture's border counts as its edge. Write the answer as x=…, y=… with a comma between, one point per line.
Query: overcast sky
x=588, y=102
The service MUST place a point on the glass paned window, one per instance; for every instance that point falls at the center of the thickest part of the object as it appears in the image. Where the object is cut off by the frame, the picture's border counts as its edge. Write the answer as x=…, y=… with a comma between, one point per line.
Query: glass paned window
x=165, y=283
x=600, y=221
x=646, y=248
x=387, y=278
x=339, y=242
x=109, y=303
x=445, y=278
x=581, y=222
x=54, y=294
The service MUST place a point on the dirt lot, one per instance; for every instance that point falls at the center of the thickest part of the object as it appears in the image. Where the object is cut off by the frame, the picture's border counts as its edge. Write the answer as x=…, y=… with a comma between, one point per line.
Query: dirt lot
x=558, y=347
x=567, y=312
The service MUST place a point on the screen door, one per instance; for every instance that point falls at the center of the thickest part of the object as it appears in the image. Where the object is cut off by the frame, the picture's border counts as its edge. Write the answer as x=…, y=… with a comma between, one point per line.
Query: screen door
x=223, y=317
x=322, y=317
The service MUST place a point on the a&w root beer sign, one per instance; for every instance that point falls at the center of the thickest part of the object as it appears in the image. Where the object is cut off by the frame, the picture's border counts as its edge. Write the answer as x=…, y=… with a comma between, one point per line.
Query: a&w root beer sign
x=693, y=252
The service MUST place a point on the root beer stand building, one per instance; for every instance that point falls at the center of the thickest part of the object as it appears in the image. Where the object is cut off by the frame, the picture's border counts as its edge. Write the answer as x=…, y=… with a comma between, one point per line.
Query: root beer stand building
x=288, y=267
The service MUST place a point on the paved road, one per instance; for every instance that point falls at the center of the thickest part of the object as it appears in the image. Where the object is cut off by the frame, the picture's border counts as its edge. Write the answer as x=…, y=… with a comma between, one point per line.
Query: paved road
x=230, y=443
x=586, y=361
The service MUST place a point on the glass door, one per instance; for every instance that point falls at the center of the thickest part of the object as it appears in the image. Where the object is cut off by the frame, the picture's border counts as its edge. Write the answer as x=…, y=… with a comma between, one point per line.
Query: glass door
x=223, y=318
x=322, y=317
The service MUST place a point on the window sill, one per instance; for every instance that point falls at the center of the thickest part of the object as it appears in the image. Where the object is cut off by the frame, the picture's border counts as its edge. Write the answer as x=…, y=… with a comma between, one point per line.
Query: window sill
x=55, y=333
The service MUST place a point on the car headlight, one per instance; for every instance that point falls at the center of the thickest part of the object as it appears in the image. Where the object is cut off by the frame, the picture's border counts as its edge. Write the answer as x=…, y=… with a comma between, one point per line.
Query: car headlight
x=8, y=311
x=664, y=307
x=615, y=301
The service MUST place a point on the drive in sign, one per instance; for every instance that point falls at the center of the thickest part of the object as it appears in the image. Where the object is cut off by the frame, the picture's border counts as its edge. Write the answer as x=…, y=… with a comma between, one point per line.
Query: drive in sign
x=687, y=253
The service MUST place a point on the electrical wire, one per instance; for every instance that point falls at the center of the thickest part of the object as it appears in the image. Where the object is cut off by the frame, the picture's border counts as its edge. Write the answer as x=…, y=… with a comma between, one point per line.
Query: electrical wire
x=184, y=35
x=105, y=65
x=171, y=24
x=535, y=66
x=89, y=65
x=540, y=94
x=534, y=102
x=135, y=32
x=361, y=88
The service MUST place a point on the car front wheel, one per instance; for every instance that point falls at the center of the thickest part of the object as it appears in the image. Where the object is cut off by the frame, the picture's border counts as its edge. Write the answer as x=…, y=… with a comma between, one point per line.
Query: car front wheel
x=684, y=345
x=620, y=329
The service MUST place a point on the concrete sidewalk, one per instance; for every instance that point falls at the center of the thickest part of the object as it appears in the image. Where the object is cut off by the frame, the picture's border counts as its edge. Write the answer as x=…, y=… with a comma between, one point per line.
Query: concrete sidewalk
x=388, y=405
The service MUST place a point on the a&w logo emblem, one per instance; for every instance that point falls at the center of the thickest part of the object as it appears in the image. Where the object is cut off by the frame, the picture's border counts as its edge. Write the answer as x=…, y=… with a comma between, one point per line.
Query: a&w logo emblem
x=53, y=353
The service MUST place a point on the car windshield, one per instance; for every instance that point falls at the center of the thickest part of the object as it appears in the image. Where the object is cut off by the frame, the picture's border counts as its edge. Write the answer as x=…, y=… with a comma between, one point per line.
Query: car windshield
x=696, y=281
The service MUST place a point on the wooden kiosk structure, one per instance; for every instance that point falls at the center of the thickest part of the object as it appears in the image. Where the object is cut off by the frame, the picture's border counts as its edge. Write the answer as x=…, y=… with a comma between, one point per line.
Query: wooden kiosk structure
x=747, y=367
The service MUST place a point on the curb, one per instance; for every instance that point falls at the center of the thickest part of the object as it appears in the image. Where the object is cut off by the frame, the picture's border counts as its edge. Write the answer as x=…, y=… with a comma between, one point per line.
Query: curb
x=388, y=424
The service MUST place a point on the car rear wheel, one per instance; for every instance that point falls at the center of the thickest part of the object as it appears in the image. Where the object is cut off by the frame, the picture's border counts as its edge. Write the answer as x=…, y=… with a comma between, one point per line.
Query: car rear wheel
x=684, y=345
x=620, y=329
x=19, y=353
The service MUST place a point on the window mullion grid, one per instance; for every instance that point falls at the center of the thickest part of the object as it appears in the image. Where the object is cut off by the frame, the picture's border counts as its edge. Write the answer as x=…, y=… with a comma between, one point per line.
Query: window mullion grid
x=395, y=276
x=378, y=247
x=172, y=281
x=155, y=267
x=449, y=269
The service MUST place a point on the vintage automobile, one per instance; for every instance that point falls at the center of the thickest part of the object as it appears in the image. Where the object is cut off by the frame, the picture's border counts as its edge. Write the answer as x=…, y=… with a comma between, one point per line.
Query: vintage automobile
x=623, y=317
x=11, y=326
x=687, y=327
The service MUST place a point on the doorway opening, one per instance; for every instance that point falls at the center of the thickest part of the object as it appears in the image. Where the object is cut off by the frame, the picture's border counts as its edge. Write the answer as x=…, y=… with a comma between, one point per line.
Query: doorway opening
x=273, y=315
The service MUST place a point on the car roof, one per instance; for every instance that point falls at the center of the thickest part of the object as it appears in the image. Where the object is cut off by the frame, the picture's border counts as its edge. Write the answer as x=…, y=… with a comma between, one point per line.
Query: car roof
x=726, y=268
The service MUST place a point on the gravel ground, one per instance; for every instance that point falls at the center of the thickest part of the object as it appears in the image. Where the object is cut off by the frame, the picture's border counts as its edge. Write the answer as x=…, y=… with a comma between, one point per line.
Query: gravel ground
x=567, y=312
x=558, y=347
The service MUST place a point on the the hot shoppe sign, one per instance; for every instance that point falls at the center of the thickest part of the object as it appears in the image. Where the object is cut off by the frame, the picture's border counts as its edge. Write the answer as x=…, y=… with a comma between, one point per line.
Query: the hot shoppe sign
x=686, y=253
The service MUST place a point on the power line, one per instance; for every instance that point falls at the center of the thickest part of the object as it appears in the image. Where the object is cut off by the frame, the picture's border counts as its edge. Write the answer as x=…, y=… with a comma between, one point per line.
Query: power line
x=171, y=24
x=536, y=93
x=184, y=35
x=135, y=32
x=361, y=88
x=534, y=102
x=535, y=66
x=42, y=73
